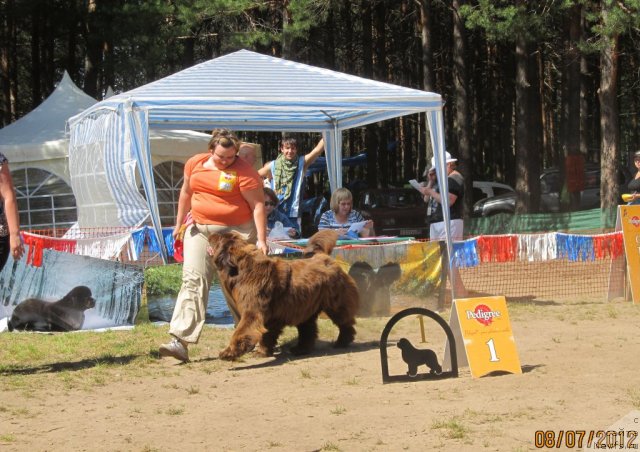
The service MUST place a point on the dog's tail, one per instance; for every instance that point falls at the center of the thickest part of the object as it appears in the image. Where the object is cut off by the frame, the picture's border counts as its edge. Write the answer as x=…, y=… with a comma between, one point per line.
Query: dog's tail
x=322, y=242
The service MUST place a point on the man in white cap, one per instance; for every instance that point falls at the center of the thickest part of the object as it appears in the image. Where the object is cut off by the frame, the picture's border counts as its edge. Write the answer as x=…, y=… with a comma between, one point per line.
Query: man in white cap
x=433, y=198
x=456, y=195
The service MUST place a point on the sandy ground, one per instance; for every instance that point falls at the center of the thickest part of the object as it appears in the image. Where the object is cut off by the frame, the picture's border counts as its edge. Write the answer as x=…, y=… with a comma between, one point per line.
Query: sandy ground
x=580, y=372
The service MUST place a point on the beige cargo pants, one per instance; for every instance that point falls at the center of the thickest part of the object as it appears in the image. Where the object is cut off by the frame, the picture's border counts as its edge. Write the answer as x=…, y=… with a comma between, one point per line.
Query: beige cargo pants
x=197, y=273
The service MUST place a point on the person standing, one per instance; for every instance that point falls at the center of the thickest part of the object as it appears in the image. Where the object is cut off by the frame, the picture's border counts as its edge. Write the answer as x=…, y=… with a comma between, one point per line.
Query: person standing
x=455, y=197
x=223, y=194
x=286, y=175
x=437, y=231
x=341, y=215
x=10, y=240
x=634, y=184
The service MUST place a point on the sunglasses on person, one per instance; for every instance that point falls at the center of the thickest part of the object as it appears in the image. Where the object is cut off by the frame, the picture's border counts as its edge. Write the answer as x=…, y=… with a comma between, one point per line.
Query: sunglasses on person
x=269, y=203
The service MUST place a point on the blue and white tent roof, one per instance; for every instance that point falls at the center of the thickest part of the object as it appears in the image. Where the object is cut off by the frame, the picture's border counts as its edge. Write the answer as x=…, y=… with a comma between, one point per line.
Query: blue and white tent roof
x=245, y=90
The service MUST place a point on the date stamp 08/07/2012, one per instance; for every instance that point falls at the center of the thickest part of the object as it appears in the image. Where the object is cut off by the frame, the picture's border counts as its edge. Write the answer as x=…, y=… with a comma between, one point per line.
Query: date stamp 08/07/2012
x=597, y=439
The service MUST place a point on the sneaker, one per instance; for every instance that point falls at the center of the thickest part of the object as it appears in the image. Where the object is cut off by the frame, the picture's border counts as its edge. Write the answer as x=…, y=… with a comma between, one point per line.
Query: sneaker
x=175, y=349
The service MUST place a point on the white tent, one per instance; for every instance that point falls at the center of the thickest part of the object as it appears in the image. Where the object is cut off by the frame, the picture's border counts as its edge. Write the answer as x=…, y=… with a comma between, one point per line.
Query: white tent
x=39, y=139
x=242, y=91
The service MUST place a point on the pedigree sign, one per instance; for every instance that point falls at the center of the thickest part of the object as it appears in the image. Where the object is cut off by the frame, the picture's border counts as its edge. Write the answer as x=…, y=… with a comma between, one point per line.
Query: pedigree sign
x=630, y=220
x=482, y=326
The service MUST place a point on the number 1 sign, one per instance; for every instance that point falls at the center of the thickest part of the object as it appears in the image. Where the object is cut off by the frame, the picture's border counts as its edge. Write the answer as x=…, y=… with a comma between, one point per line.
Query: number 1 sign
x=482, y=326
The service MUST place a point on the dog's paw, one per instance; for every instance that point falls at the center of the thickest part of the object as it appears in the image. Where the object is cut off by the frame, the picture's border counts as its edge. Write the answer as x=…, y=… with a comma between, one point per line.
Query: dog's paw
x=228, y=354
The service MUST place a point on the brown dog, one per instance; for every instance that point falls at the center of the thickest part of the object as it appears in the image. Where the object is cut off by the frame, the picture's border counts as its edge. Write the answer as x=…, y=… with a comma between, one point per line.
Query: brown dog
x=66, y=314
x=271, y=293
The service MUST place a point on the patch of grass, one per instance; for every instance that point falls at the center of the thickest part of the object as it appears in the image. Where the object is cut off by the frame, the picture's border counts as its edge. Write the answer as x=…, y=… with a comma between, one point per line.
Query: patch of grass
x=454, y=428
x=330, y=447
x=338, y=410
x=191, y=390
x=8, y=438
x=305, y=373
x=353, y=381
x=175, y=411
x=272, y=444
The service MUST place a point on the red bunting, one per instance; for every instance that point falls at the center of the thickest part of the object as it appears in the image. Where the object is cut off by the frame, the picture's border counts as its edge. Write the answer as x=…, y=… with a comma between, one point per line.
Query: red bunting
x=608, y=245
x=37, y=243
x=497, y=248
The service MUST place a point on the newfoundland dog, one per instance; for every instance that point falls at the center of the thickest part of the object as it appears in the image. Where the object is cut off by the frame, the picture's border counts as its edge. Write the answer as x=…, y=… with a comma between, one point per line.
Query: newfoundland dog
x=271, y=293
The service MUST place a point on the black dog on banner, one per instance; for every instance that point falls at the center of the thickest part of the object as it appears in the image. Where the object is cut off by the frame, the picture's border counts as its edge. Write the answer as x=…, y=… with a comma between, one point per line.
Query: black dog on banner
x=415, y=357
x=66, y=314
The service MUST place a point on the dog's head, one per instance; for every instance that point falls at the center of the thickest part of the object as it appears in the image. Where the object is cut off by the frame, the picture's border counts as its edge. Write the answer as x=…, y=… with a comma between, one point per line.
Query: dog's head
x=403, y=343
x=80, y=298
x=228, y=249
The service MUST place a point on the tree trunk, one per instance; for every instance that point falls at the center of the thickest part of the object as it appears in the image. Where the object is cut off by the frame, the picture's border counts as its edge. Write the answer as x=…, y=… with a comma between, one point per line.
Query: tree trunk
x=36, y=96
x=522, y=138
x=461, y=120
x=427, y=74
x=371, y=139
x=92, y=56
x=609, y=127
x=7, y=53
x=572, y=126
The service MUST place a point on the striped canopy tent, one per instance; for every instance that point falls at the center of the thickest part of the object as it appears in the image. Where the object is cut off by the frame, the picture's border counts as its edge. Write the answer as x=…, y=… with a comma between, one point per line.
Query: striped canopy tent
x=244, y=90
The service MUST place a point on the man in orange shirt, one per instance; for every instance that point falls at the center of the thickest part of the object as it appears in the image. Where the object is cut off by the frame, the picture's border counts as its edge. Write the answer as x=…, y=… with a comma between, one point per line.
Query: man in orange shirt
x=224, y=193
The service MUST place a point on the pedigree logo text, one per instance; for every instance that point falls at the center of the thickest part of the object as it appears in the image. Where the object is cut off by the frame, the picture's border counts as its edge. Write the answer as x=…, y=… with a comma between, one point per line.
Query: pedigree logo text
x=483, y=314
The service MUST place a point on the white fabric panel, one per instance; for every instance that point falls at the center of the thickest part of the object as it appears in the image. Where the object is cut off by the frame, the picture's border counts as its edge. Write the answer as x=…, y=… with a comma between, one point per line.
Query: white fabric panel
x=88, y=169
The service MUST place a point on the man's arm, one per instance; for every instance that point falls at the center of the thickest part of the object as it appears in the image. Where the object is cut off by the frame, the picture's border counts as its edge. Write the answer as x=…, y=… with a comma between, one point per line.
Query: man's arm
x=265, y=171
x=314, y=154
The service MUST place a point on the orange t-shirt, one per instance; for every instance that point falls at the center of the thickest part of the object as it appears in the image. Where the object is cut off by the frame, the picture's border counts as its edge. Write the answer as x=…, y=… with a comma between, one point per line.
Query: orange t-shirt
x=217, y=194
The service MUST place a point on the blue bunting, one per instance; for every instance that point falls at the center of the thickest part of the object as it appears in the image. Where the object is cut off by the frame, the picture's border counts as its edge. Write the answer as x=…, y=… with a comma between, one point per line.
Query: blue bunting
x=139, y=237
x=576, y=248
x=465, y=254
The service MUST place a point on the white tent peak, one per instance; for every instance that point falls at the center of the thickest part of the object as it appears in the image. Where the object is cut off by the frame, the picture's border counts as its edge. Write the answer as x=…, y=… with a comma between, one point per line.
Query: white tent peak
x=46, y=123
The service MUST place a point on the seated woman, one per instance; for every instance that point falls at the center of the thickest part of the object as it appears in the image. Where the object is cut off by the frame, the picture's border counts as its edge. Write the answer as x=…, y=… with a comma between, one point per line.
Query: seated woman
x=273, y=215
x=341, y=216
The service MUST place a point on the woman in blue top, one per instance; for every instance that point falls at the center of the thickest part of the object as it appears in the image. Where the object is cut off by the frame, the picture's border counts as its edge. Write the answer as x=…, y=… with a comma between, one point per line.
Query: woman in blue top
x=273, y=215
x=341, y=215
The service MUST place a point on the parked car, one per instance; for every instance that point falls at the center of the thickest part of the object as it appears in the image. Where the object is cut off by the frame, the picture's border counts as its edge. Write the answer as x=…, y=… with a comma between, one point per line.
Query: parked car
x=549, y=194
x=488, y=189
x=394, y=211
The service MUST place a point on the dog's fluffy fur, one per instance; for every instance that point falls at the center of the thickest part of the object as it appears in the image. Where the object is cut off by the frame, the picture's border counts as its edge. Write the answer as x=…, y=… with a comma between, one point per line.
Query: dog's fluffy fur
x=66, y=314
x=271, y=293
x=415, y=357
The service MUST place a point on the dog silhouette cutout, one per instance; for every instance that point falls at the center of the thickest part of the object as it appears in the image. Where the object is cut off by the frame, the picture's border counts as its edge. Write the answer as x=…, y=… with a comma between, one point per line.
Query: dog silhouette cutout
x=415, y=357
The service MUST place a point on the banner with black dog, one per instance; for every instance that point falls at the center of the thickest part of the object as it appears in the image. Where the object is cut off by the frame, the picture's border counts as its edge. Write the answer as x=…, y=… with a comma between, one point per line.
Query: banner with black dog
x=67, y=293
